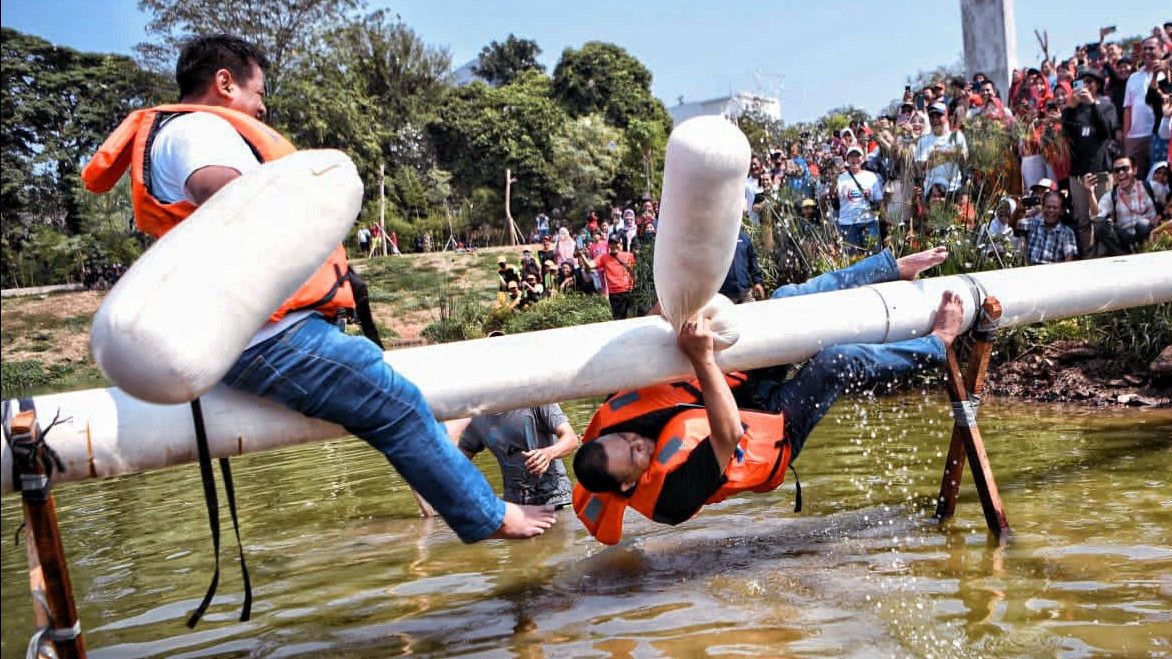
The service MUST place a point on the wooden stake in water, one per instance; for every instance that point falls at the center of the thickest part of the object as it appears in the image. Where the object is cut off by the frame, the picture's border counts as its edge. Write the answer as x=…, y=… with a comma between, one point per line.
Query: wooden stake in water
x=48, y=569
x=965, y=393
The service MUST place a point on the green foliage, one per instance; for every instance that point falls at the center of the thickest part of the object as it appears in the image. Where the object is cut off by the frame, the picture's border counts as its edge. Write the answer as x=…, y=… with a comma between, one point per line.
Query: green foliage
x=1132, y=337
x=58, y=105
x=480, y=131
x=839, y=118
x=762, y=131
x=643, y=295
x=560, y=311
x=641, y=169
x=287, y=30
x=17, y=377
x=586, y=156
x=604, y=79
x=461, y=318
x=31, y=377
x=501, y=63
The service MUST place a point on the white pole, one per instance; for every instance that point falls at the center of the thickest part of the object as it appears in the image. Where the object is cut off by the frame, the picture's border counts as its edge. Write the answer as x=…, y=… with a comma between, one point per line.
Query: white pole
x=382, y=206
x=109, y=433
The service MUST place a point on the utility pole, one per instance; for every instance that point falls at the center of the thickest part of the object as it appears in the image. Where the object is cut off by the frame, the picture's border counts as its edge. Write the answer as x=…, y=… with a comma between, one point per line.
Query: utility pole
x=382, y=206
x=511, y=226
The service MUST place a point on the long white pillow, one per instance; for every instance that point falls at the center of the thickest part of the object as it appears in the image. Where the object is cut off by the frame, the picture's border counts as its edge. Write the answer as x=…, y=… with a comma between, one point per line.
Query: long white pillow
x=700, y=215
x=178, y=319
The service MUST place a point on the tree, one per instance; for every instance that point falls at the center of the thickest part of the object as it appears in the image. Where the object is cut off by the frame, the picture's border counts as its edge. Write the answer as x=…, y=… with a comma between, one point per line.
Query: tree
x=501, y=63
x=641, y=170
x=605, y=79
x=586, y=155
x=762, y=130
x=287, y=30
x=370, y=91
x=479, y=131
x=58, y=105
x=840, y=117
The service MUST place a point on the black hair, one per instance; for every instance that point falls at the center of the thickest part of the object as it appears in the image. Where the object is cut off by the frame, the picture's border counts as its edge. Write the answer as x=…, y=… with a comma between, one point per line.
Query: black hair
x=1046, y=195
x=590, y=469
x=202, y=56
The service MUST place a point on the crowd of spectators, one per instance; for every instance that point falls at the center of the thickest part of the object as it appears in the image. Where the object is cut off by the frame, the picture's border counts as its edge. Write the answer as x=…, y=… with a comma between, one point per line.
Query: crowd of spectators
x=1070, y=162
x=599, y=258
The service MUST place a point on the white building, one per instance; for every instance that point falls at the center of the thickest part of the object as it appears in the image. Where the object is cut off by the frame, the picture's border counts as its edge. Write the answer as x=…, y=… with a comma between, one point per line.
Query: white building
x=727, y=106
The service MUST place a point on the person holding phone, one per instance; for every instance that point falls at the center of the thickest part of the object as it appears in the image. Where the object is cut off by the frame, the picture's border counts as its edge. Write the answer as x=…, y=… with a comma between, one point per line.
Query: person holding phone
x=1088, y=124
x=1139, y=121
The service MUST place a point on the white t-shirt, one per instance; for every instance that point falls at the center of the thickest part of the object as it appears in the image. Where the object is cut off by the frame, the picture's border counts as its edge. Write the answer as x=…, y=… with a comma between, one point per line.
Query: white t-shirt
x=189, y=142
x=1130, y=206
x=853, y=206
x=1143, y=120
x=946, y=173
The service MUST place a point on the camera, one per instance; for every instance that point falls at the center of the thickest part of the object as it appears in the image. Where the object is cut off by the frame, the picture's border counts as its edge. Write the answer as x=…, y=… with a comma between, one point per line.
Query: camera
x=1031, y=201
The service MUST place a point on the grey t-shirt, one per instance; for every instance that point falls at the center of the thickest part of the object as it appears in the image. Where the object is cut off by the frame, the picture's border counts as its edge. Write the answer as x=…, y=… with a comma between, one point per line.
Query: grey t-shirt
x=507, y=434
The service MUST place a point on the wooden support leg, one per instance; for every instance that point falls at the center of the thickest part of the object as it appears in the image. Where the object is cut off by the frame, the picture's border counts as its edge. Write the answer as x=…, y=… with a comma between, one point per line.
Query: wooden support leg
x=40, y=513
x=964, y=392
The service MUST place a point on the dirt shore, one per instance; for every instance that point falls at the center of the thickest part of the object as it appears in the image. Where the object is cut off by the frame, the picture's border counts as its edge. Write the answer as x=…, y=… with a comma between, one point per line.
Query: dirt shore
x=1073, y=372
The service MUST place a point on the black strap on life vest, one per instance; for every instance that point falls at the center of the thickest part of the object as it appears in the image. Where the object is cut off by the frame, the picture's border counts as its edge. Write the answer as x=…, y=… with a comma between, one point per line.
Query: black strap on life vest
x=213, y=505
x=362, y=308
x=797, y=489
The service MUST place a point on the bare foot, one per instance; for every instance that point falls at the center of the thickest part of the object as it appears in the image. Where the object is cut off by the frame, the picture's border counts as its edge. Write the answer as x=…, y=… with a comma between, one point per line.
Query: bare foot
x=912, y=265
x=525, y=521
x=949, y=316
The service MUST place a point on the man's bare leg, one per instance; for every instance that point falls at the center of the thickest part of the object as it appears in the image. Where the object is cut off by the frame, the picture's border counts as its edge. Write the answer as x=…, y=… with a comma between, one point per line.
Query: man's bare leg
x=912, y=265
x=949, y=316
x=525, y=521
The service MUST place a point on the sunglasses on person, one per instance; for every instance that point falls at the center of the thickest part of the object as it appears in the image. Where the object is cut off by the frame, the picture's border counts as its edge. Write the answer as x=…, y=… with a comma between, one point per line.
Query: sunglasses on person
x=1122, y=169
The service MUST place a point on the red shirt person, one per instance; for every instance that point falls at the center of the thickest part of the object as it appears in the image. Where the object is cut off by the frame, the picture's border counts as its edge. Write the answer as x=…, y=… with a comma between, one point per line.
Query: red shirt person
x=617, y=277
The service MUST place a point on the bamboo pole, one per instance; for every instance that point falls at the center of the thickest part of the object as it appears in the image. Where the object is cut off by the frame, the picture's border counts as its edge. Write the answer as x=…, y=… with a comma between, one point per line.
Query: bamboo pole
x=50, y=571
x=111, y=433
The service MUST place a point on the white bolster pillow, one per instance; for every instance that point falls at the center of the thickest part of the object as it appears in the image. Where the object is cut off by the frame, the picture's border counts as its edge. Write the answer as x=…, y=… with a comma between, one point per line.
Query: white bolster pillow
x=700, y=215
x=178, y=319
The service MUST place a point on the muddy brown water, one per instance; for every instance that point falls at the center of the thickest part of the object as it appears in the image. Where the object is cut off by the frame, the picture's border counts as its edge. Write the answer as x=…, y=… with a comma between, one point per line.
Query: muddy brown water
x=342, y=566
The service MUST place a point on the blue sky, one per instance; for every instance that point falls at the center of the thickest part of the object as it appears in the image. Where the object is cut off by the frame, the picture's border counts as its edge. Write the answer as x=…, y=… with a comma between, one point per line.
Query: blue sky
x=813, y=55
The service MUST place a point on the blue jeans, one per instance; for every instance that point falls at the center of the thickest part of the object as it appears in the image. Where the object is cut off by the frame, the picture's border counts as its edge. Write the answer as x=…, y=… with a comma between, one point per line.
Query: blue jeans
x=860, y=238
x=840, y=369
x=316, y=369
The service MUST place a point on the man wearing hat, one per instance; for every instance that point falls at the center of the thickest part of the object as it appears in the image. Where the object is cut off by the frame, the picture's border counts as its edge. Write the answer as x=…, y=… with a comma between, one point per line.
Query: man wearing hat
x=810, y=211
x=940, y=153
x=859, y=194
x=1088, y=125
x=507, y=273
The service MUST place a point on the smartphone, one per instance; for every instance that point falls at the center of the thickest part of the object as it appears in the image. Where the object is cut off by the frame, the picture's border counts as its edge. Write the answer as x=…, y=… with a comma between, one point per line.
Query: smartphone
x=1079, y=84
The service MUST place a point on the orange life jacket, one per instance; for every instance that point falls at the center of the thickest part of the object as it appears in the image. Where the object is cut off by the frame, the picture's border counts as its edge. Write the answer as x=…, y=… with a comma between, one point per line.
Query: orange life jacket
x=758, y=463
x=129, y=147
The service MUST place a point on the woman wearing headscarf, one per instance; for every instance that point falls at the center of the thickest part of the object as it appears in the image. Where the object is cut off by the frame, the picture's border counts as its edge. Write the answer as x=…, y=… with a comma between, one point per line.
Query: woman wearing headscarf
x=565, y=246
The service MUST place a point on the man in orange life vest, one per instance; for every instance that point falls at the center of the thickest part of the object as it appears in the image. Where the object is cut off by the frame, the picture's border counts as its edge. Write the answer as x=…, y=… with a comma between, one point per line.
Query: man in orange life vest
x=179, y=156
x=666, y=450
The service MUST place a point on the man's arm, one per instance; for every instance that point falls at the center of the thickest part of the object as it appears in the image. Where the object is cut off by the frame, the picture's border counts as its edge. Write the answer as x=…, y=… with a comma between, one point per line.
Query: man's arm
x=724, y=419
x=207, y=181
x=537, y=461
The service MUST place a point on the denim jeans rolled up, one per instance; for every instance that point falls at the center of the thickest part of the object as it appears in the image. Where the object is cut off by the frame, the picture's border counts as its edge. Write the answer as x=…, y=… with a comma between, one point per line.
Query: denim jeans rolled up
x=840, y=369
x=318, y=370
